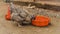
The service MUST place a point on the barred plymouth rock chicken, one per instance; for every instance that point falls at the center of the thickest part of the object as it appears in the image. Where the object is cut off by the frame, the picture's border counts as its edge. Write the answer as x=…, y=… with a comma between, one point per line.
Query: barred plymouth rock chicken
x=20, y=15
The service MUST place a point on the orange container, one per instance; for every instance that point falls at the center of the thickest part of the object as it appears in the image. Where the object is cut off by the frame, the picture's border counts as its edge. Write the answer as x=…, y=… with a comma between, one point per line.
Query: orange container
x=41, y=21
x=8, y=15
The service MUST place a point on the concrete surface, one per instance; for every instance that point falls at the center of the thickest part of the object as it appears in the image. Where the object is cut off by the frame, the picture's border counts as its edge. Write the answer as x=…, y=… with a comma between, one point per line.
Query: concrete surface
x=7, y=27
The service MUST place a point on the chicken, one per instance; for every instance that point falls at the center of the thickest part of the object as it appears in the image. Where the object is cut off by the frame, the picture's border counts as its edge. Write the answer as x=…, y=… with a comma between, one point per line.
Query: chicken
x=20, y=15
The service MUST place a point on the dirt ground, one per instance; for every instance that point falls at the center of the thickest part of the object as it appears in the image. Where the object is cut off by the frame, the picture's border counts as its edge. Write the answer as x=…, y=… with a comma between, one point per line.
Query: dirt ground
x=7, y=27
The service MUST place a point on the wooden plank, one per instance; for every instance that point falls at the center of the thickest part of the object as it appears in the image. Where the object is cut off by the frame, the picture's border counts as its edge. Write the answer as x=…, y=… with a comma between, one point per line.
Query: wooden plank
x=45, y=4
x=25, y=0
x=49, y=2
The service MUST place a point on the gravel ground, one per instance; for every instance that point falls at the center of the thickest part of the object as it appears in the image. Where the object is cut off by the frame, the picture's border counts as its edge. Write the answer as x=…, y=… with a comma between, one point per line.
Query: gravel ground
x=7, y=27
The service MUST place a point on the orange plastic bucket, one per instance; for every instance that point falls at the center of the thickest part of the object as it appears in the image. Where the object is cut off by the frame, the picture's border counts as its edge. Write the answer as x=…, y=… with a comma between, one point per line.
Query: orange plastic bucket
x=8, y=15
x=41, y=21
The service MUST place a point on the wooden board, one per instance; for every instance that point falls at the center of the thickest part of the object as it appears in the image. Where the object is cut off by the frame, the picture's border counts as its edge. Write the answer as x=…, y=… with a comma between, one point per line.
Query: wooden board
x=24, y=0
x=49, y=2
x=45, y=4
